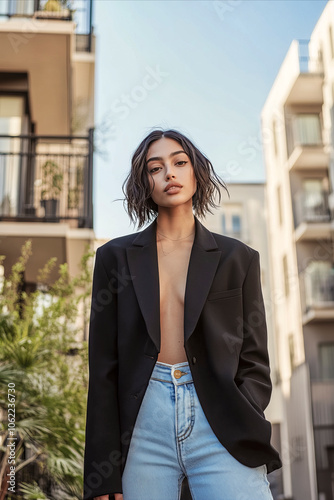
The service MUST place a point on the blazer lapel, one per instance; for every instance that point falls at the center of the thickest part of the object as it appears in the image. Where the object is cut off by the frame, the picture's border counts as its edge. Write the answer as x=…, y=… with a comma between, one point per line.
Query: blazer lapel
x=143, y=264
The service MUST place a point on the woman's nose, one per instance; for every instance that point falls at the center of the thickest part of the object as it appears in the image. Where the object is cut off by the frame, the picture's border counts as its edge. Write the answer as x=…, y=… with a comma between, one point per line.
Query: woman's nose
x=169, y=172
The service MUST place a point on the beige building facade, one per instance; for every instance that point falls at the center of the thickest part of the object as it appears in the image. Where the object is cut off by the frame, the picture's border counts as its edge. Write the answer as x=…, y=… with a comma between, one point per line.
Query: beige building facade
x=297, y=131
x=47, y=75
x=243, y=216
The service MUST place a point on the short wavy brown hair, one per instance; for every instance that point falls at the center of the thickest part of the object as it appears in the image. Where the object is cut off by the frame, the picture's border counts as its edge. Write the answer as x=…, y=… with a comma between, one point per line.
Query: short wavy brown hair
x=137, y=190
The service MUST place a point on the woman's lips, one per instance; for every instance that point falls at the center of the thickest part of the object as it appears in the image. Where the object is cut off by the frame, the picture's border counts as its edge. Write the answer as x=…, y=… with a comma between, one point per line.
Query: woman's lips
x=173, y=190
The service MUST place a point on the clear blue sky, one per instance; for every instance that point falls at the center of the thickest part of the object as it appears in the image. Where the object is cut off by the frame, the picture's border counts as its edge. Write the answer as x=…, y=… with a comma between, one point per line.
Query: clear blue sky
x=202, y=67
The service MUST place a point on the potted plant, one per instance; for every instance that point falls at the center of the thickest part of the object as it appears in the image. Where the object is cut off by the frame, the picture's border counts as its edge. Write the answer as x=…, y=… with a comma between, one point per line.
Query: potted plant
x=56, y=9
x=52, y=184
x=53, y=6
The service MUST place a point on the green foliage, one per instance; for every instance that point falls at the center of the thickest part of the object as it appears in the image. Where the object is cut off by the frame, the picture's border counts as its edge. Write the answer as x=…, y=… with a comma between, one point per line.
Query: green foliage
x=37, y=341
x=57, y=5
x=52, y=180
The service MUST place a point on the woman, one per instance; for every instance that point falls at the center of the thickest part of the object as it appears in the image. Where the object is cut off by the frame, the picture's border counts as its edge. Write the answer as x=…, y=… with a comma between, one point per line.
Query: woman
x=179, y=372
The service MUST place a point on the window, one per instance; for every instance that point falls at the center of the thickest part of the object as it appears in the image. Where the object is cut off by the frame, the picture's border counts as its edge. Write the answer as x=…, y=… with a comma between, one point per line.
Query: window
x=232, y=220
x=275, y=136
x=326, y=360
x=286, y=275
x=11, y=119
x=331, y=41
x=307, y=129
x=315, y=205
x=292, y=351
x=279, y=203
x=21, y=7
x=236, y=224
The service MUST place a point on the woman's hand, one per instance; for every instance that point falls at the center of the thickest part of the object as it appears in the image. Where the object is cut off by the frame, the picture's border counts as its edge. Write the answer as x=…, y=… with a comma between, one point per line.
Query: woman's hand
x=118, y=496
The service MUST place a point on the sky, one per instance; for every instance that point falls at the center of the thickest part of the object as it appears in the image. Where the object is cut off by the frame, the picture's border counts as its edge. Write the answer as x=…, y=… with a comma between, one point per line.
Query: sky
x=202, y=67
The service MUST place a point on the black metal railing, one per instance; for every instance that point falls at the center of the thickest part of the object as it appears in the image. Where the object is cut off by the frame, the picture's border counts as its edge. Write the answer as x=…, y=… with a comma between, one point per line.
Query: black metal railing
x=323, y=420
x=47, y=178
x=80, y=11
x=311, y=207
x=317, y=286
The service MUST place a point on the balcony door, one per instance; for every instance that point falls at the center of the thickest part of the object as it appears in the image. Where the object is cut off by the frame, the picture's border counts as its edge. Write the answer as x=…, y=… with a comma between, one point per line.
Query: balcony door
x=307, y=129
x=315, y=199
x=21, y=7
x=11, y=122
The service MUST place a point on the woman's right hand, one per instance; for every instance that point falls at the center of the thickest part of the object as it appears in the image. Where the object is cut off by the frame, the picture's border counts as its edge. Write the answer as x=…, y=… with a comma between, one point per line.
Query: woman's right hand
x=118, y=496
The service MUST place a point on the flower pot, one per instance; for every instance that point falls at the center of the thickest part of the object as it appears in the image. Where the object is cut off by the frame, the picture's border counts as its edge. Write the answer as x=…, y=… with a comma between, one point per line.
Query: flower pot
x=50, y=207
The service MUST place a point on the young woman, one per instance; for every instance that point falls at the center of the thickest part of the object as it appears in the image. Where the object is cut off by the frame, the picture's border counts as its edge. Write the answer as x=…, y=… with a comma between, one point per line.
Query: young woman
x=178, y=361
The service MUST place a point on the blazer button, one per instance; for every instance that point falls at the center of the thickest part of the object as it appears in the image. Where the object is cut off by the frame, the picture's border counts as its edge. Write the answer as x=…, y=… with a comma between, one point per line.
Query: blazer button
x=194, y=360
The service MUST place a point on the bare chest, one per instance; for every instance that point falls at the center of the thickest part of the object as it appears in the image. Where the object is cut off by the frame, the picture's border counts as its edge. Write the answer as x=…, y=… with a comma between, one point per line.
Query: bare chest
x=173, y=268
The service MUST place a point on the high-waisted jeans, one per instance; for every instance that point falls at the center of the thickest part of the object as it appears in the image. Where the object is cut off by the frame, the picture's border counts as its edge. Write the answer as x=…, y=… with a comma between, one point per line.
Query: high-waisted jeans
x=173, y=439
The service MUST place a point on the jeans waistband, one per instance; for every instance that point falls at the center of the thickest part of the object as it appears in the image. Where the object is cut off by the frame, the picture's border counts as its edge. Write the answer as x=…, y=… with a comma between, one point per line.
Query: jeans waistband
x=177, y=374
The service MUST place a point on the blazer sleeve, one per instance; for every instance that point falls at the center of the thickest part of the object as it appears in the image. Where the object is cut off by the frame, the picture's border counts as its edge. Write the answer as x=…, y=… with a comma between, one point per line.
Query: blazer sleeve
x=102, y=458
x=253, y=374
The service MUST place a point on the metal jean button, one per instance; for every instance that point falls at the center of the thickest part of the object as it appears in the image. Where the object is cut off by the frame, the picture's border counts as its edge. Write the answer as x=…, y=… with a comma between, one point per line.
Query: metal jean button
x=178, y=373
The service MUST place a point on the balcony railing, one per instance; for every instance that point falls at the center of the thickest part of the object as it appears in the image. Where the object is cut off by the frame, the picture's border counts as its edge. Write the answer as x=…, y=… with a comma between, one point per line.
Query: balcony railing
x=80, y=11
x=303, y=130
x=311, y=207
x=47, y=178
x=310, y=422
x=308, y=63
x=322, y=392
x=317, y=286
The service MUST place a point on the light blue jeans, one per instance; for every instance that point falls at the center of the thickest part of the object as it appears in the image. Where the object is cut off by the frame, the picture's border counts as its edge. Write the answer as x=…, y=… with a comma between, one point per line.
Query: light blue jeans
x=173, y=439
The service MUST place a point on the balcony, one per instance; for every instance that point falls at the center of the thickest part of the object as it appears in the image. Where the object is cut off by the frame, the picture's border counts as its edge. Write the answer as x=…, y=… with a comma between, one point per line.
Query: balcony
x=81, y=14
x=311, y=215
x=310, y=421
x=60, y=81
x=305, y=71
x=317, y=292
x=47, y=179
x=308, y=156
x=322, y=392
x=305, y=148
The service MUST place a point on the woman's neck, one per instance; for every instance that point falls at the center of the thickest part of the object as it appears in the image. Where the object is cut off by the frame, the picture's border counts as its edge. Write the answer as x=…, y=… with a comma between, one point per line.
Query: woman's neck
x=176, y=227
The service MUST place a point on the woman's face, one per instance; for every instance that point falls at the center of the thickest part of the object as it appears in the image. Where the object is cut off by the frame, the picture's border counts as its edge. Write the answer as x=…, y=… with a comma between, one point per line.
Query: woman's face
x=167, y=162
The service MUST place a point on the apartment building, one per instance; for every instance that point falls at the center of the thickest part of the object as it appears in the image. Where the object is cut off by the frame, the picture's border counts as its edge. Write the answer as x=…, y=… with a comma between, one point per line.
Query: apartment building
x=243, y=216
x=297, y=131
x=47, y=65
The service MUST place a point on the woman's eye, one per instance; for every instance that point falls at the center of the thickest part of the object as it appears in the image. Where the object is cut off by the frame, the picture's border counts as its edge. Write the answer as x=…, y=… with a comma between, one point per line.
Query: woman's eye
x=155, y=168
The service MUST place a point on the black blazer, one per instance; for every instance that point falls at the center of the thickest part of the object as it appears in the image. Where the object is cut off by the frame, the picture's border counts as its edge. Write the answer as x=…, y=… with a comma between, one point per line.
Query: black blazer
x=225, y=339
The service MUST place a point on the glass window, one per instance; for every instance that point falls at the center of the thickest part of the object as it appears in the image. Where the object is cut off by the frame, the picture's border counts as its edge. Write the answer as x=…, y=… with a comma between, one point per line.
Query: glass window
x=292, y=351
x=11, y=115
x=232, y=220
x=331, y=41
x=307, y=129
x=286, y=275
x=326, y=360
x=224, y=223
x=275, y=136
x=279, y=204
x=236, y=223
